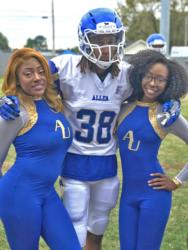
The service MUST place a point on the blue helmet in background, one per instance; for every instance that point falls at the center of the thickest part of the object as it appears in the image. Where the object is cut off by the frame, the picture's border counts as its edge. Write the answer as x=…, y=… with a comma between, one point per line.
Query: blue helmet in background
x=156, y=42
x=99, y=29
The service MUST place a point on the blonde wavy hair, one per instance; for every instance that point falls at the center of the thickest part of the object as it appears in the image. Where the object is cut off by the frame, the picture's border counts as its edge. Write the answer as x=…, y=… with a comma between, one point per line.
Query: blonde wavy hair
x=10, y=82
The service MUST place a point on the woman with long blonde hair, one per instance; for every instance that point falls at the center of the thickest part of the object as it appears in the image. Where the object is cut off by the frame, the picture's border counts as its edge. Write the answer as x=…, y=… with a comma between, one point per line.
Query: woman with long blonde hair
x=41, y=135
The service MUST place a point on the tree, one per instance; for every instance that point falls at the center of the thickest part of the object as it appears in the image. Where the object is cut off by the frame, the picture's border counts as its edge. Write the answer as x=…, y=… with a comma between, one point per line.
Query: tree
x=4, y=43
x=39, y=43
x=30, y=43
x=142, y=18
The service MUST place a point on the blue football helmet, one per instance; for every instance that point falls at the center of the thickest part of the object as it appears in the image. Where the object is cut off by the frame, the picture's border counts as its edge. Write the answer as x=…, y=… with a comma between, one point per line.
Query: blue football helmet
x=156, y=42
x=101, y=30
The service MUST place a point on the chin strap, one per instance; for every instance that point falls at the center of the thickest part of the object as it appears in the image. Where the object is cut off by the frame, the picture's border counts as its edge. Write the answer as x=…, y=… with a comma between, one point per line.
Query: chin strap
x=103, y=65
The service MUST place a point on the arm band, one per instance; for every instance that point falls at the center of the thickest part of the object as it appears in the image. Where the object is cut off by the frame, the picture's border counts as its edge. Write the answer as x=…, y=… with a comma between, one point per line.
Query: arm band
x=177, y=182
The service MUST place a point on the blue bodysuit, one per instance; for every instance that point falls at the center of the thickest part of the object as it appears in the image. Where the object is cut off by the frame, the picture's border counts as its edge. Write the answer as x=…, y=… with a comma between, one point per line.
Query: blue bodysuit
x=143, y=211
x=29, y=204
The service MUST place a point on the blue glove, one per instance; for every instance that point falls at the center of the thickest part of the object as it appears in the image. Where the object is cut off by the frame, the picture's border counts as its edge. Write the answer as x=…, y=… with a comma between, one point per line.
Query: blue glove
x=171, y=112
x=9, y=107
x=54, y=73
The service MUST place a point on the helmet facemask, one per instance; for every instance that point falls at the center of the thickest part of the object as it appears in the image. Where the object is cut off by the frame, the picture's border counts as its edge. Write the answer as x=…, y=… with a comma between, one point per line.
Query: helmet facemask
x=159, y=48
x=104, y=45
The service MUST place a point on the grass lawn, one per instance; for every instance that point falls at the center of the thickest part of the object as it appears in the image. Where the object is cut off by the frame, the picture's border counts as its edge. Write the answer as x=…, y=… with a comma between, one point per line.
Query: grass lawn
x=173, y=155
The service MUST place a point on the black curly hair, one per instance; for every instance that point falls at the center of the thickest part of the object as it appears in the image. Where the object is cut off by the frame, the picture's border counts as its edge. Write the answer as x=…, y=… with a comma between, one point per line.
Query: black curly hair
x=177, y=82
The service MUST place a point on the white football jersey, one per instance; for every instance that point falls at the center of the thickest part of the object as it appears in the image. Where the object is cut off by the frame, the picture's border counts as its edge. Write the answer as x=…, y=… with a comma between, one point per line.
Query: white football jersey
x=91, y=106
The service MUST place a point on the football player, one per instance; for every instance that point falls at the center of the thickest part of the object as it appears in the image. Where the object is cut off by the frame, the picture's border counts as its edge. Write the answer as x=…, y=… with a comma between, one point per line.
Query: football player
x=156, y=42
x=93, y=86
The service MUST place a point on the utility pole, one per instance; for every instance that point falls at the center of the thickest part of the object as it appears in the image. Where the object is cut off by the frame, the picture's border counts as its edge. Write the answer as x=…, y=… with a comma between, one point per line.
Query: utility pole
x=186, y=32
x=53, y=30
x=165, y=21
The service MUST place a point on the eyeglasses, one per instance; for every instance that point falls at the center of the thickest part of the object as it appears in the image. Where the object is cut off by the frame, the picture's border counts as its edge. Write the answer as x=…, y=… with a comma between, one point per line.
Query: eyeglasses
x=157, y=79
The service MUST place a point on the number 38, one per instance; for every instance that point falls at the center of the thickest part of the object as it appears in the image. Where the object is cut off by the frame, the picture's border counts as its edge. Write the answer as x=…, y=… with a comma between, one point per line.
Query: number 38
x=104, y=123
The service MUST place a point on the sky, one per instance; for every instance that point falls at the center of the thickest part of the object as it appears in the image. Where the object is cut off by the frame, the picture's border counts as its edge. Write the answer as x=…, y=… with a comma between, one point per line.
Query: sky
x=23, y=19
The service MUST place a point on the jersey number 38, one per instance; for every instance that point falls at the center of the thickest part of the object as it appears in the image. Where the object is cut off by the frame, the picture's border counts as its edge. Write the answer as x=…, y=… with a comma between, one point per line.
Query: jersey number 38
x=90, y=123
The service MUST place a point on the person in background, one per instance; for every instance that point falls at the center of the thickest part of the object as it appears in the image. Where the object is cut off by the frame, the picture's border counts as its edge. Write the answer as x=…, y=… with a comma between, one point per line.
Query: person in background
x=156, y=42
x=93, y=86
x=146, y=190
x=41, y=135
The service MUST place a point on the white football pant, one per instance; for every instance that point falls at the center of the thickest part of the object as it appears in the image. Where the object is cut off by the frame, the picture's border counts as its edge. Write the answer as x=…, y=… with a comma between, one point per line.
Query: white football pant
x=89, y=204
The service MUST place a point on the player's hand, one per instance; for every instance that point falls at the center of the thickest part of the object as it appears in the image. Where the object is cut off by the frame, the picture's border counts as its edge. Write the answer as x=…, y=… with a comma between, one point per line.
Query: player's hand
x=161, y=181
x=9, y=107
x=54, y=75
x=171, y=111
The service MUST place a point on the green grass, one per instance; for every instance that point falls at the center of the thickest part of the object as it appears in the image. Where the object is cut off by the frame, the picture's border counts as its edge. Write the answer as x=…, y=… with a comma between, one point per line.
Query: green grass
x=173, y=155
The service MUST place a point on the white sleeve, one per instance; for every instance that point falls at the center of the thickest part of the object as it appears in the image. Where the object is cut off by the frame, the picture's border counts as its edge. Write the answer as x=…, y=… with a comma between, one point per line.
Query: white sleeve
x=180, y=128
x=182, y=176
x=125, y=78
x=8, y=132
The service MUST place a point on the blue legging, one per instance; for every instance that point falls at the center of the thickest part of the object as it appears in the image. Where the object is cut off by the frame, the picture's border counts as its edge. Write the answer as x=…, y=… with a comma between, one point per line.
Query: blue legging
x=45, y=216
x=142, y=220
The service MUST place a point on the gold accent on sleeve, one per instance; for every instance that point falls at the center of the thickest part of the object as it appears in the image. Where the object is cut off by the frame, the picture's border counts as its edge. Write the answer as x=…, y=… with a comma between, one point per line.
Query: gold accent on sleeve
x=33, y=117
x=154, y=122
x=128, y=108
x=125, y=111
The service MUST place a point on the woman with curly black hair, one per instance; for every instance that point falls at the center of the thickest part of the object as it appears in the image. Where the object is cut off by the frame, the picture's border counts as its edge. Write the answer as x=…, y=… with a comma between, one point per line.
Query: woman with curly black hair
x=146, y=190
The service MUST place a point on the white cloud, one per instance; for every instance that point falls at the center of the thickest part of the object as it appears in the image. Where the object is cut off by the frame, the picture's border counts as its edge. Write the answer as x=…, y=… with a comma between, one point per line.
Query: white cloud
x=22, y=19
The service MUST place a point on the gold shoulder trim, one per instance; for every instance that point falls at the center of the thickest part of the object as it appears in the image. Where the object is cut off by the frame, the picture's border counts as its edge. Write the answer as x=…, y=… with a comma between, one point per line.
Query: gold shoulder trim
x=154, y=122
x=146, y=104
x=33, y=117
x=128, y=109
